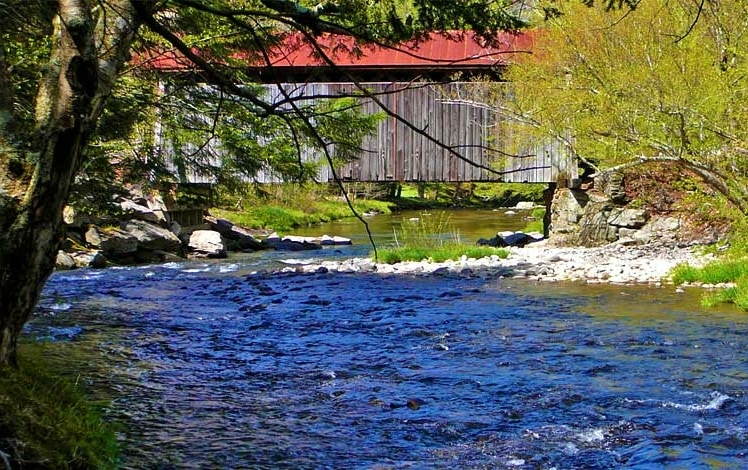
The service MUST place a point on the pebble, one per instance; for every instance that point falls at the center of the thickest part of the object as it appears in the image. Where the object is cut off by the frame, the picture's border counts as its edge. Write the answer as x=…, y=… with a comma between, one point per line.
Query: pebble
x=612, y=264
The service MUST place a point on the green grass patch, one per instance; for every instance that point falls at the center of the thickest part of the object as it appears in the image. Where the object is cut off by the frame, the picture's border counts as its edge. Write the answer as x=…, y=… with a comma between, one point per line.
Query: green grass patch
x=713, y=273
x=725, y=271
x=738, y=295
x=47, y=419
x=283, y=217
x=440, y=254
x=536, y=222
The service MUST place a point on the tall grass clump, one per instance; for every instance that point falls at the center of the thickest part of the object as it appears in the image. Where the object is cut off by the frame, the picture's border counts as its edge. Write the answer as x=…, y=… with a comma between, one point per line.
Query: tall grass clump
x=429, y=231
x=737, y=294
x=717, y=272
x=47, y=420
x=432, y=237
x=734, y=271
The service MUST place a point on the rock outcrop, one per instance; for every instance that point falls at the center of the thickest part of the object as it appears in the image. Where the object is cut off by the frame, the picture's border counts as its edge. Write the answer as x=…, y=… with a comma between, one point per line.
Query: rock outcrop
x=592, y=218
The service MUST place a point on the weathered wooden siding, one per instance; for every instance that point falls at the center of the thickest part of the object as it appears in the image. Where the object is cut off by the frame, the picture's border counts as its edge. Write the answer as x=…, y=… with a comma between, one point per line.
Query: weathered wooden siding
x=455, y=115
x=548, y=162
x=398, y=152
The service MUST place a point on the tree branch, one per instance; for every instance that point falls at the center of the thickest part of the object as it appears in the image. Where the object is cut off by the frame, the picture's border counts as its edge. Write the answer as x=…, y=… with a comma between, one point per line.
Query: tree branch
x=708, y=175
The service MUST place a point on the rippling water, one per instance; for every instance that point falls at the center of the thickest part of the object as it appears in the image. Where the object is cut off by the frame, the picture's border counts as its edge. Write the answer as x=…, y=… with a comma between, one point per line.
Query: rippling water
x=214, y=366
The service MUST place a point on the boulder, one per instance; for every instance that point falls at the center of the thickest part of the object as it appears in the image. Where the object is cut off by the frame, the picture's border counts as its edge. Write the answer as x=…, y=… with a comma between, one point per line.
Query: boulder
x=239, y=238
x=659, y=227
x=114, y=242
x=525, y=205
x=89, y=259
x=612, y=185
x=290, y=243
x=64, y=261
x=142, y=212
x=207, y=243
x=518, y=239
x=581, y=218
x=151, y=237
x=628, y=218
x=496, y=242
x=327, y=240
x=92, y=237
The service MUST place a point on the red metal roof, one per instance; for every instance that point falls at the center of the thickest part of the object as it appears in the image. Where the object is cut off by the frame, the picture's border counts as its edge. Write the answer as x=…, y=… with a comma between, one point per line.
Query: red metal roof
x=437, y=51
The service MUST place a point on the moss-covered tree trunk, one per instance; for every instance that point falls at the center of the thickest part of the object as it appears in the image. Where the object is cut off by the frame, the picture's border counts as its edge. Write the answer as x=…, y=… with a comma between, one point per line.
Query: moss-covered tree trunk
x=35, y=177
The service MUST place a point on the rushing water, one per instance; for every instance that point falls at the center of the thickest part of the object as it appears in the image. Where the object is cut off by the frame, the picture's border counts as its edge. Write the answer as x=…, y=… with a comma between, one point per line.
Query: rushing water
x=216, y=366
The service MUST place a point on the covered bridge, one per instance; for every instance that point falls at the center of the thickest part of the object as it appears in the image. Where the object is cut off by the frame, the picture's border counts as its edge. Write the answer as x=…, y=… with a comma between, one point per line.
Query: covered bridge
x=447, y=130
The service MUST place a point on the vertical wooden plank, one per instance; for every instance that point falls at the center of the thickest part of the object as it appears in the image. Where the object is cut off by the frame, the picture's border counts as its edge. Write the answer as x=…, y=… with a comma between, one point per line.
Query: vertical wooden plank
x=424, y=110
x=455, y=114
x=429, y=156
x=408, y=135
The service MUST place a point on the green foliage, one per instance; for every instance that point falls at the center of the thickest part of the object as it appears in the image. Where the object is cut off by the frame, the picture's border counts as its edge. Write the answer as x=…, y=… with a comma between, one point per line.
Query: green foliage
x=451, y=251
x=291, y=208
x=509, y=194
x=632, y=86
x=716, y=272
x=719, y=272
x=432, y=237
x=737, y=295
x=24, y=37
x=538, y=213
x=536, y=222
x=48, y=421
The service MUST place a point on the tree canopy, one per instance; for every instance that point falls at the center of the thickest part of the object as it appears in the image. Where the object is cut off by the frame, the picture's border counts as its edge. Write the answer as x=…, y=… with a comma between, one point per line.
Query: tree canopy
x=665, y=81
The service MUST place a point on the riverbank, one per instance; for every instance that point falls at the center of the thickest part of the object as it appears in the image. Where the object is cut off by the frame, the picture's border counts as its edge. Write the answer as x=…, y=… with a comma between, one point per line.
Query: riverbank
x=613, y=263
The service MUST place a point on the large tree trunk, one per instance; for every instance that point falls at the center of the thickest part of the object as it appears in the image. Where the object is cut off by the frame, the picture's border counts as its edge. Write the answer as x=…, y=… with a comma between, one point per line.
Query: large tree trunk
x=34, y=186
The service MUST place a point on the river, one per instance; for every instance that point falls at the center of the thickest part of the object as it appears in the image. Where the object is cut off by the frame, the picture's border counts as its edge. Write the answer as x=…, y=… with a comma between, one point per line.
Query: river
x=218, y=364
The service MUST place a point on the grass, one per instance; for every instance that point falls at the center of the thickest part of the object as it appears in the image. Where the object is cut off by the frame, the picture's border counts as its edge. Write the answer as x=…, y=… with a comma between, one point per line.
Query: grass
x=47, y=420
x=432, y=237
x=738, y=295
x=536, y=224
x=443, y=195
x=438, y=255
x=283, y=216
x=718, y=272
x=428, y=231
